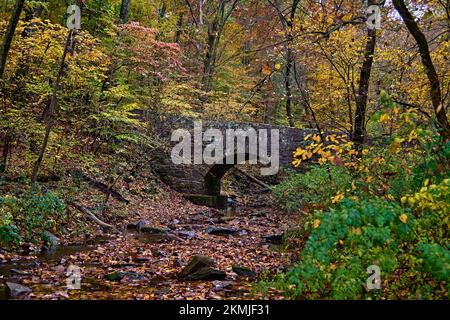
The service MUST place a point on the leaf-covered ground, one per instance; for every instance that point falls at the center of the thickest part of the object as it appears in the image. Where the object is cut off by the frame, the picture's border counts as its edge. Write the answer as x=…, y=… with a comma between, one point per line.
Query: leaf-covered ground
x=151, y=264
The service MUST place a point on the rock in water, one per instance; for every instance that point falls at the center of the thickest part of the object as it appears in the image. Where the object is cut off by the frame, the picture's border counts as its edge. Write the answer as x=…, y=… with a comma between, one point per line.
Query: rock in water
x=134, y=276
x=274, y=239
x=220, y=231
x=119, y=275
x=20, y=272
x=14, y=289
x=243, y=271
x=221, y=285
x=207, y=273
x=138, y=225
x=186, y=234
x=154, y=230
x=115, y=276
x=196, y=263
x=52, y=240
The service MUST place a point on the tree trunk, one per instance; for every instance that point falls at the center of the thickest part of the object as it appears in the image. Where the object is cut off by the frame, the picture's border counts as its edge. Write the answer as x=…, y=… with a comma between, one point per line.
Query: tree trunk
x=38, y=10
x=287, y=85
x=433, y=79
x=179, y=30
x=215, y=31
x=200, y=12
x=288, y=25
x=15, y=16
x=124, y=11
x=52, y=108
x=5, y=152
x=359, y=132
x=208, y=63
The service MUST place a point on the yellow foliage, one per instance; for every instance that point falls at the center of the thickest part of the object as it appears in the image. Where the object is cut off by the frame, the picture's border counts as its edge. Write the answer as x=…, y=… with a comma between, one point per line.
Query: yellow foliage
x=338, y=197
x=396, y=145
x=316, y=223
x=404, y=218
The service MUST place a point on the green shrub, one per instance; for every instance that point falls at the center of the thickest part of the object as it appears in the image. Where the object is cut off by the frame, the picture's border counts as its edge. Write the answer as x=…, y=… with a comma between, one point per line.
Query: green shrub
x=40, y=210
x=9, y=233
x=344, y=242
x=435, y=260
x=27, y=217
x=317, y=186
x=431, y=204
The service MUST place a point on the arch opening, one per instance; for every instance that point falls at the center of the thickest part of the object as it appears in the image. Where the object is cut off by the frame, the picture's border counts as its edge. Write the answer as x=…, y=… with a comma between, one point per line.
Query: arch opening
x=215, y=174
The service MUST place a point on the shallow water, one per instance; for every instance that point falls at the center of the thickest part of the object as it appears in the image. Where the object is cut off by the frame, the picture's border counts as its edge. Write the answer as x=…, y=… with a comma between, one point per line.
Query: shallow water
x=51, y=256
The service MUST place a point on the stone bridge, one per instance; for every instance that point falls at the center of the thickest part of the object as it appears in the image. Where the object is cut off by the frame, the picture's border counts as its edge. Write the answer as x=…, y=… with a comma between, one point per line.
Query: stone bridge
x=202, y=181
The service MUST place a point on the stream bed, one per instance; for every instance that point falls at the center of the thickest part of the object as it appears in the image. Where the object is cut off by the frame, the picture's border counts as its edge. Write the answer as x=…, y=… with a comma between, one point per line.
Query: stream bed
x=25, y=265
x=145, y=264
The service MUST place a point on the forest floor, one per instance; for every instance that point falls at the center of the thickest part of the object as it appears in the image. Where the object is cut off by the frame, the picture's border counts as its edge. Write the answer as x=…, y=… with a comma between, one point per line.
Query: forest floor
x=145, y=266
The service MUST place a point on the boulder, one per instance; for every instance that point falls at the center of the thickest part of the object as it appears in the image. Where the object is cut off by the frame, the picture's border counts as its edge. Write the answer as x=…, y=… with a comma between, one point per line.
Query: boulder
x=199, y=218
x=187, y=234
x=13, y=290
x=154, y=230
x=243, y=271
x=115, y=276
x=137, y=225
x=196, y=263
x=220, y=231
x=134, y=276
x=19, y=272
x=221, y=285
x=51, y=239
x=243, y=233
x=274, y=239
x=173, y=224
x=206, y=273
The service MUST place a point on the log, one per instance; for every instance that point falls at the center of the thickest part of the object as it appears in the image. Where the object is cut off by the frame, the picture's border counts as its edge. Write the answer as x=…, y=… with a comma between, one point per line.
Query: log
x=93, y=217
x=253, y=178
x=100, y=186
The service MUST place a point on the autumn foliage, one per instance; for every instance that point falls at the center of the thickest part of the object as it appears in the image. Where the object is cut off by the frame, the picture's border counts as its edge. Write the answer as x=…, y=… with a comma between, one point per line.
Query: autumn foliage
x=368, y=187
